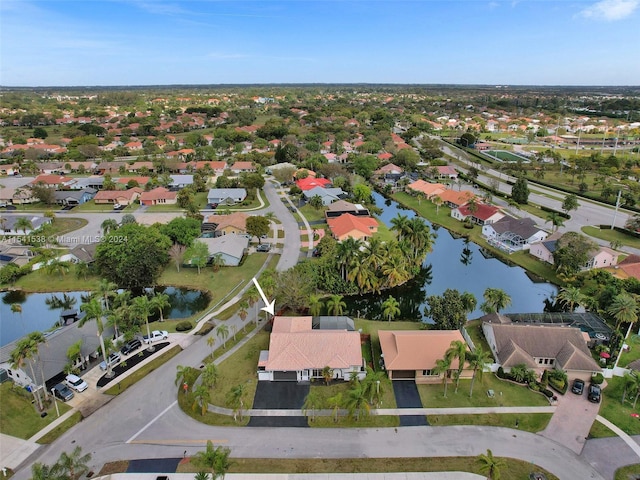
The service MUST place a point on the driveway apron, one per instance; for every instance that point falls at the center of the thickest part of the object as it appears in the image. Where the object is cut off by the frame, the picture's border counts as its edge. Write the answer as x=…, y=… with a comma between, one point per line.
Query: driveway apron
x=407, y=396
x=278, y=396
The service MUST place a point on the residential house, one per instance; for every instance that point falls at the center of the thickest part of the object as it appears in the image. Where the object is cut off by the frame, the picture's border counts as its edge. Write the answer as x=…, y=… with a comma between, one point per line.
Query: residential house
x=52, y=180
x=513, y=234
x=137, y=166
x=350, y=226
x=455, y=199
x=226, y=196
x=159, y=196
x=541, y=347
x=446, y=171
x=141, y=181
x=10, y=224
x=178, y=182
x=629, y=267
x=17, y=254
x=230, y=248
x=412, y=354
x=298, y=353
x=234, y=223
x=389, y=173
x=429, y=190
x=82, y=253
x=600, y=257
x=74, y=197
x=94, y=181
x=339, y=207
x=483, y=215
x=243, y=167
x=122, y=197
x=310, y=182
x=328, y=195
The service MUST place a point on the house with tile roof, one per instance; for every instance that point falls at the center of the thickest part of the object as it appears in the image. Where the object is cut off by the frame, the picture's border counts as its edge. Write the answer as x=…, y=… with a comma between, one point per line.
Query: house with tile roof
x=231, y=248
x=53, y=180
x=429, y=190
x=513, y=234
x=141, y=181
x=121, y=197
x=243, y=167
x=483, y=215
x=601, y=257
x=629, y=267
x=299, y=353
x=456, y=198
x=412, y=354
x=541, y=347
x=159, y=196
x=311, y=182
x=234, y=223
x=226, y=196
x=349, y=226
x=447, y=171
x=342, y=206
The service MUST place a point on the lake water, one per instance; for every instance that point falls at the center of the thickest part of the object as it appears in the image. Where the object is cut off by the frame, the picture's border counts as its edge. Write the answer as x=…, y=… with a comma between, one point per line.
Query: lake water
x=36, y=315
x=457, y=264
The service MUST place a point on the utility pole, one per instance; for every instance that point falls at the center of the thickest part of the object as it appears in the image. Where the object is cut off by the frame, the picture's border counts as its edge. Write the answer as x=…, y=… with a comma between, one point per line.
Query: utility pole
x=615, y=213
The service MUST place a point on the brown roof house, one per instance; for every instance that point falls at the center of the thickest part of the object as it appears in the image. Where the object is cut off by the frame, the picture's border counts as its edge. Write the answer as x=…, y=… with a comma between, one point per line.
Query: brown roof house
x=349, y=226
x=234, y=223
x=159, y=196
x=541, y=347
x=299, y=353
x=122, y=197
x=412, y=354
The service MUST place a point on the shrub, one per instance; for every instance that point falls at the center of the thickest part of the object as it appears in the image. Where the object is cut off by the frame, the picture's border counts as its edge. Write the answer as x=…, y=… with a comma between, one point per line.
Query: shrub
x=597, y=379
x=206, y=328
x=184, y=326
x=547, y=393
x=501, y=372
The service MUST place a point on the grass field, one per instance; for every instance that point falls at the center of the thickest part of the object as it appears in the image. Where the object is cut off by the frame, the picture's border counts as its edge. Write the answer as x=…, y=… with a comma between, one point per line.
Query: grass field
x=19, y=416
x=505, y=156
x=612, y=236
x=40, y=281
x=535, y=422
x=51, y=436
x=615, y=411
x=628, y=472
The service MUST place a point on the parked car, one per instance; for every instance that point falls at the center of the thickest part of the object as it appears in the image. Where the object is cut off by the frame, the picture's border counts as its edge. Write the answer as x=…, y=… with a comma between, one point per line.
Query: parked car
x=212, y=206
x=130, y=346
x=263, y=247
x=75, y=382
x=156, y=335
x=112, y=359
x=578, y=386
x=594, y=393
x=117, y=207
x=62, y=392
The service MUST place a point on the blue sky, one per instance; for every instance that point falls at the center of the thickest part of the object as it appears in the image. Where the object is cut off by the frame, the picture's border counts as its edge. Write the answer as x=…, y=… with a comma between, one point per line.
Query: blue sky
x=144, y=42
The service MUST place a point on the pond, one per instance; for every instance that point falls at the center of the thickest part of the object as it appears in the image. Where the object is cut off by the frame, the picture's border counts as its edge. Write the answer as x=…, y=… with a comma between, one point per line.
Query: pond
x=37, y=316
x=457, y=264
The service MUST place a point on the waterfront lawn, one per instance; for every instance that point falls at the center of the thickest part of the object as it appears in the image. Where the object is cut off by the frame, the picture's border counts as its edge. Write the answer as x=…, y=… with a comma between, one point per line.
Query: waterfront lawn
x=19, y=416
x=615, y=411
x=506, y=394
x=530, y=422
x=40, y=281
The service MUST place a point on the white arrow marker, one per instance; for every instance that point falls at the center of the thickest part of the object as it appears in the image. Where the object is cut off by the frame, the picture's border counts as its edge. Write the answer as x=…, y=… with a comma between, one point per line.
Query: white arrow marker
x=269, y=306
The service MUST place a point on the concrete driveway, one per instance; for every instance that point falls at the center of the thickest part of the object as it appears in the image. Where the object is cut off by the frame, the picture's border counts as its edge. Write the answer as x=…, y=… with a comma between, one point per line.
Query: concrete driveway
x=279, y=395
x=572, y=420
x=407, y=396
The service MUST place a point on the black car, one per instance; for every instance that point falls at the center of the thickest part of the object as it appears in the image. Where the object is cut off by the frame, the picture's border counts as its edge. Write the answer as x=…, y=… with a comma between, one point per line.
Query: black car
x=212, y=206
x=578, y=386
x=130, y=346
x=62, y=392
x=594, y=393
x=263, y=247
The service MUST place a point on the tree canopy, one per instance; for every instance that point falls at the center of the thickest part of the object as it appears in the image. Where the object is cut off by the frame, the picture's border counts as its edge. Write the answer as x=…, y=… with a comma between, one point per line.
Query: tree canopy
x=572, y=252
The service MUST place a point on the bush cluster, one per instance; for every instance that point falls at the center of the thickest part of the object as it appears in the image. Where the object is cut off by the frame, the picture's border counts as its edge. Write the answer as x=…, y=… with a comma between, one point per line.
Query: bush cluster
x=184, y=326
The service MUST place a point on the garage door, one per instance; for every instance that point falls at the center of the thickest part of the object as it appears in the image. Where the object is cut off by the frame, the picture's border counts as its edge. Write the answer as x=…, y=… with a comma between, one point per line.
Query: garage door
x=285, y=376
x=404, y=374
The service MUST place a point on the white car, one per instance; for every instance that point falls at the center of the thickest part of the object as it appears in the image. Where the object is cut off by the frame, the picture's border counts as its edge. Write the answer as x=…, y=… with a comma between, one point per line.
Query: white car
x=76, y=383
x=113, y=359
x=156, y=335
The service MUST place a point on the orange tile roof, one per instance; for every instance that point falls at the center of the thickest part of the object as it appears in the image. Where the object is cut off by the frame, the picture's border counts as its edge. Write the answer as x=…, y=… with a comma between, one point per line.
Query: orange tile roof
x=429, y=189
x=243, y=166
x=347, y=223
x=457, y=197
x=50, y=179
x=158, y=193
x=236, y=219
x=140, y=180
x=293, y=345
x=416, y=349
x=116, y=194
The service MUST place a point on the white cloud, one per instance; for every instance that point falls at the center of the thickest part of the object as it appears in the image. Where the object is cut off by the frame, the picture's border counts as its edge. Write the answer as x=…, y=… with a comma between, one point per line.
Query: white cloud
x=610, y=10
x=493, y=5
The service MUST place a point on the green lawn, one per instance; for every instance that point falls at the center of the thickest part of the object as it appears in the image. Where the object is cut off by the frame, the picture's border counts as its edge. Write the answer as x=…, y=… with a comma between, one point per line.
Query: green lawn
x=384, y=233
x=312, y=214
x=628, y=472
x=507, y=394
x=612, y=236
x=613, y=410
x=633, y=341
x=534, y=422
x=49, y=437
x=91, y=206
x=40, y=281
x=19, y=417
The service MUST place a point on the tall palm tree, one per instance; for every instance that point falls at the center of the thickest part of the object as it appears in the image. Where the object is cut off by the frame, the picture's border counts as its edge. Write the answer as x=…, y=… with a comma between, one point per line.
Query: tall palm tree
x=201, y=398
x=572, y=297
x=315, y=305
x=74, y=464
x=457, y=350
x=335, y=403
x=222, y=463
x=159, y=302
x=390, y=308
x=183, y=373
x=141, y=309
x=37, y=339
x=442, y=368
x=235, y=399
x=25, y=352
x=556, y=221
x=312, y=402
x=105, y=291
x=40, y=471
x=252, y=297
x=469, y=302
x=437, y=201
x=491, y=465
x=356, y=401
x=243, y=313
x=327, y=374
x=93, y=311
x=223, y=333
x=373, y=385
x=477, y=360
x=207, y=458
x=211, y=341
x=336, y=305
x=623, y=309
x=400, y=225
x=24, y=224
x=109, y=225
x=210, y=375
x=495, y=299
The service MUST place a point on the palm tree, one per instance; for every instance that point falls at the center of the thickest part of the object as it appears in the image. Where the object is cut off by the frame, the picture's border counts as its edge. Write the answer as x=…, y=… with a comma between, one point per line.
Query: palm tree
x=242, y=313
x=208, y=458
x=141, y=308
x=25, y=352
x=335, y=403
x=209, y=375
x=336, y=305
x=400, y=225
x=457, y=350
x=556, y=221
x=327, y=374
x=390, y=308
x=235, y=400
x=105, y=291
x=108, y=225
x=40, y=471
x=252, y=297
x=495, y=300
x=222, y=463
x=74, y=465
x=93, y=311
x=312, y=402
x=477, y=360
x=24, y=224
x=490, y=465
x=315, y=305
x=356, y=401
x=623, y=309
x=217, y=261
x=201, y=398
x=373, y=385
x=211, y=341
x=223, y=333
x=183, y=373
x=159, y=302
x=469, y=302
x=437, y=201
x=572, y=297
x=442, y=368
